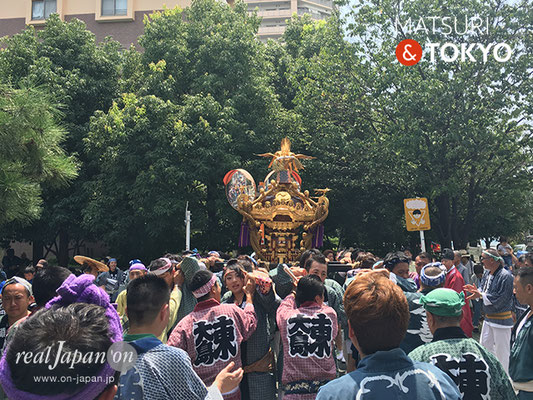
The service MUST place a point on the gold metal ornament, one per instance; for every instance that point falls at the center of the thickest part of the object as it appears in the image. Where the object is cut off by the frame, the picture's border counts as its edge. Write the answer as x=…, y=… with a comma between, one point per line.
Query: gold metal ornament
x=281, y=218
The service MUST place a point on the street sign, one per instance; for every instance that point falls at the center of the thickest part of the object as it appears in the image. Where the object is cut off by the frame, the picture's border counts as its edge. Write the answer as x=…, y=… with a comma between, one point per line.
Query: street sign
x=417, y=214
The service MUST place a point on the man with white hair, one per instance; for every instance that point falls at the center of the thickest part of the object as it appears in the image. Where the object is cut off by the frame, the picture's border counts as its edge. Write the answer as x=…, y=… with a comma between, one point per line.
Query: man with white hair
x=496, y=290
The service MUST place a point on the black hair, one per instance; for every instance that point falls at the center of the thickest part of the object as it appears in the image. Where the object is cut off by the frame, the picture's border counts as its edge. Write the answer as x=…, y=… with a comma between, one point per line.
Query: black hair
x=393, y=258
x=447, y=254
x=29, y=270
x=308, y=288
x=174, y=257
x=366, y=260
x=86, y=267
x=319, y=258
x=46, y=282
x=235, y=267
x=424, y=254
x=526, y=275
x=246, y=262
x=307, y=254
x=355, y=253
x=43, y=262
x=199, y=279
x=328, y=252
x=80, y=327
x=478, y=268
x=445, y=321
x=145, y=297
x=156, y=264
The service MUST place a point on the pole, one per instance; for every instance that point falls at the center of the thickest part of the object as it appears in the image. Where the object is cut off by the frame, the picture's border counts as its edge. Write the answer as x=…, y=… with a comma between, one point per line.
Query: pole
x=422, y=241
x=187, y=227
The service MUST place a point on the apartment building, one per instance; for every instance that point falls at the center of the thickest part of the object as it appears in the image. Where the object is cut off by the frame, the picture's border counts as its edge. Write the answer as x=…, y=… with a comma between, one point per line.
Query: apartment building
x=276, y=12
x=121, y=19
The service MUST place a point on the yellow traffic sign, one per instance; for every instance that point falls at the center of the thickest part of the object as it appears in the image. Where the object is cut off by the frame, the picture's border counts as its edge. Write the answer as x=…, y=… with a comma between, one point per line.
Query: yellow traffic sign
x=417, y=214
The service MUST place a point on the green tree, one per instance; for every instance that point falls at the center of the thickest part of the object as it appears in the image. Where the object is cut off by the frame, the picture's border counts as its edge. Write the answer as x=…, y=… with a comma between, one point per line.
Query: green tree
x=457, y=133
x=202, y=105
x=64, y=59
x=319, y=69
x=463, y=128
x=32, y=156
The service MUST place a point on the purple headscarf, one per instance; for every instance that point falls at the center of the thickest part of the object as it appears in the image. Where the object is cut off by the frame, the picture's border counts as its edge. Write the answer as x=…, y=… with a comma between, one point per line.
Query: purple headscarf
x=138, y=266
x=73, y=290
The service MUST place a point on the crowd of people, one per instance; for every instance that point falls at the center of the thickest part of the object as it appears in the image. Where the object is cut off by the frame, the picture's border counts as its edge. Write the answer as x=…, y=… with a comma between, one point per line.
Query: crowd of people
x=215, y=327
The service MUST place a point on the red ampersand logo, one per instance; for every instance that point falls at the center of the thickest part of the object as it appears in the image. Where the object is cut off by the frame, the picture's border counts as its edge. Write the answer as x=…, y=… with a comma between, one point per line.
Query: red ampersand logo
x=409, y=52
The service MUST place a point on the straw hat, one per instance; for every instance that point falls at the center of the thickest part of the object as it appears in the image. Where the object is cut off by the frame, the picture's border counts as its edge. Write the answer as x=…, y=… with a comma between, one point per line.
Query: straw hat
x=97, y=265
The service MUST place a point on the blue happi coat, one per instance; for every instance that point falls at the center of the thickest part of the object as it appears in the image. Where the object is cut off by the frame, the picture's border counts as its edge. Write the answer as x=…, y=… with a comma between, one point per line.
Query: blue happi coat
x=161, y=372
x=391, y=375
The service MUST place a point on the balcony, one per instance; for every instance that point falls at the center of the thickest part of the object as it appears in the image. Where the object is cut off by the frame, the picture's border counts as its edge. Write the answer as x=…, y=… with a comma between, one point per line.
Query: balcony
x=275, y=14
x=268, y=1
x=320, y=3
x=271, y=30
x=314, y=14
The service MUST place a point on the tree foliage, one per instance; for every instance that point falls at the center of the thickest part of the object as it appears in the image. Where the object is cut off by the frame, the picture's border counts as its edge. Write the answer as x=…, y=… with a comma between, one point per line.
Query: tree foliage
x=32, y=156
x=64, y=59
x=201, y=106
x=157, y=128
x=462, y=128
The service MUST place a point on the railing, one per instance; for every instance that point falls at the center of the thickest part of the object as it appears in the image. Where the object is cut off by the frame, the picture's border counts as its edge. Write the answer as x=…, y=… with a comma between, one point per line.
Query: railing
x=320, y=3
x=314, y=14
x=267, y=1
x=274, y=14
x=271, y=30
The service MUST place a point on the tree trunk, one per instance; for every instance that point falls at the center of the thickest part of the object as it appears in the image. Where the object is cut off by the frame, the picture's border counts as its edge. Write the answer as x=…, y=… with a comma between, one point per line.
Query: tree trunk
x=212, y=221
x=62, y=256
x=443, y=215
x=466, y=225
x=454, y=225
x=37, y=251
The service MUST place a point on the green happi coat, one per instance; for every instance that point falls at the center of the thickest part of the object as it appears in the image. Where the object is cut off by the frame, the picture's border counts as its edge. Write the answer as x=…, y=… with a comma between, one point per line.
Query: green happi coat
x=521, y=361
x=477, y=373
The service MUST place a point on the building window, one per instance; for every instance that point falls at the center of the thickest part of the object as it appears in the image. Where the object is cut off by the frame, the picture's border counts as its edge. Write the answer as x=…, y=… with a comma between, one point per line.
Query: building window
x=114, y=7
x=41, y=9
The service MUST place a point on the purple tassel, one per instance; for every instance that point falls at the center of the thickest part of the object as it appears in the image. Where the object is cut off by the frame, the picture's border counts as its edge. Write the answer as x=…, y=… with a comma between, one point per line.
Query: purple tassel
x=244, y=236
x=318, y=237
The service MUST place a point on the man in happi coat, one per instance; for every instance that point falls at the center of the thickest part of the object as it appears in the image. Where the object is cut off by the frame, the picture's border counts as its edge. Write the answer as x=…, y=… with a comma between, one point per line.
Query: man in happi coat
x=308, y=328
x=521, y=361
x=161, y=371
x=455, y=281
x=378, y=316
x=259, y=382
x=212, y=334
x=432, y=276
x=475, y=371
x=497, y=293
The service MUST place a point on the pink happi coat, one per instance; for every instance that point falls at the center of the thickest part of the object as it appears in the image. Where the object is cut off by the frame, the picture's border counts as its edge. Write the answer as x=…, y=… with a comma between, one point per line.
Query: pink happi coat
x=212, y=335
x=308, y=333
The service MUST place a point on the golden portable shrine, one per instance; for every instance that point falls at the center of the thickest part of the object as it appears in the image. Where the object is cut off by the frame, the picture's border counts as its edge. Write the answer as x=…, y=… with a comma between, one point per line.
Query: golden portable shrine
x=280, y=220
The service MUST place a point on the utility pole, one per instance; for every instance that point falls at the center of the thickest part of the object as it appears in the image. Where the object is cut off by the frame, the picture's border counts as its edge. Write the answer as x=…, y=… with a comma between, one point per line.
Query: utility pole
x=187, y=227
